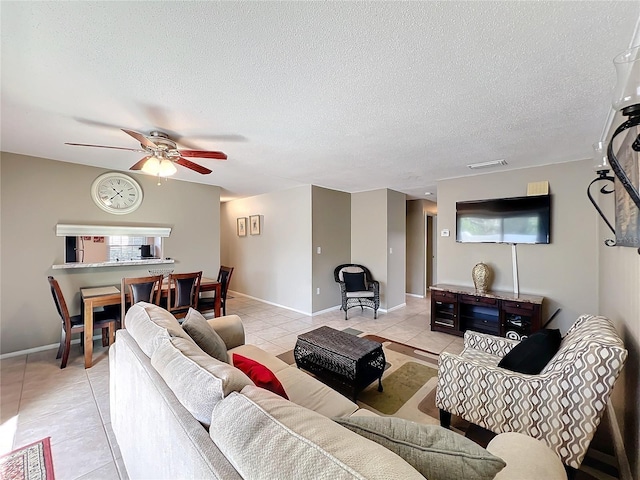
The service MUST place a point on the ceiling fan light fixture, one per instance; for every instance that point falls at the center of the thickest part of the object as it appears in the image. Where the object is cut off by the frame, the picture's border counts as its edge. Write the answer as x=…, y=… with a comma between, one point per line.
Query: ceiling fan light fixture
x=151, y=166
x=167, y=168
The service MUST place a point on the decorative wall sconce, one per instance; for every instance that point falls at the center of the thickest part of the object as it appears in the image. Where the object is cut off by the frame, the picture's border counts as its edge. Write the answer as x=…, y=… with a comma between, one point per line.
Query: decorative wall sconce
x=626, y=100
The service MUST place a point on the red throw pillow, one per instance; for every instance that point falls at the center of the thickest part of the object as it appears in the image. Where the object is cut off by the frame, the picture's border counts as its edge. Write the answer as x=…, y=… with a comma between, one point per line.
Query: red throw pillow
x=259, y=374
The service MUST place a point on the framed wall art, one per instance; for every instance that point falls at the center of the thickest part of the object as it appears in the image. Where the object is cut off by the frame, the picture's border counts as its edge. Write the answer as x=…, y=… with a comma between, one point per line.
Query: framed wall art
x=254, y=224
x=242, y=226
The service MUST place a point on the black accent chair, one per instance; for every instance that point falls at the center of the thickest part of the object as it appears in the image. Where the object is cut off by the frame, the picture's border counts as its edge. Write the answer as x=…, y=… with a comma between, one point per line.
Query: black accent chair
x=357, y=287
x=75, y=323
x=139, y=289
x=206, y=304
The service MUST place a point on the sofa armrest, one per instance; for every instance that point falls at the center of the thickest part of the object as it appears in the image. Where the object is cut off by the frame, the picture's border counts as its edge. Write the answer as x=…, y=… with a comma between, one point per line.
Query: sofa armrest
x=498, y=346
x=230, y=329
x=526, y=458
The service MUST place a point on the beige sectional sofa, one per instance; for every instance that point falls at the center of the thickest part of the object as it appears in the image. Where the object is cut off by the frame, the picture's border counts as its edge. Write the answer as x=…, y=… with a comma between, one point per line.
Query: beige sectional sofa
x=179, y=413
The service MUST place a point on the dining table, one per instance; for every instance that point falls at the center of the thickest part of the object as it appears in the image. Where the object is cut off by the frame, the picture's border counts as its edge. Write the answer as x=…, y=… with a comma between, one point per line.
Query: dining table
x=93, y=297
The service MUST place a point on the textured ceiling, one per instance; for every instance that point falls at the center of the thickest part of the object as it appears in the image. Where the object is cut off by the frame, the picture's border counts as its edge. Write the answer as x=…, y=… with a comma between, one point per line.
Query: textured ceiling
x=350, y=96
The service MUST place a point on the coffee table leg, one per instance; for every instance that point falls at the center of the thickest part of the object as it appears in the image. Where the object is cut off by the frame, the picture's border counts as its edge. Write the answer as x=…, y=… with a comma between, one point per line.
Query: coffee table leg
x=380, y=383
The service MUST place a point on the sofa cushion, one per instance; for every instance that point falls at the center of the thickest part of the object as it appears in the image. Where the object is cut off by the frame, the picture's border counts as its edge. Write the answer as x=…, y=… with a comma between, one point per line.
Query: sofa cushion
x=270, y=361
x=265, y=436
x=206, y=337
x=354, y=282
x=149, y=324
x=308, y=392
x=437, y=453
x=198, y=380
x=533, y=353
x=260, y=375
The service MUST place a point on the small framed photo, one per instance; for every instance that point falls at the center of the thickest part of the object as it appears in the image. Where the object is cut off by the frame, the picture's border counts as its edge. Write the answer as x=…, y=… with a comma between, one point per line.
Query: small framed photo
x=242, y=226
x=254, y=224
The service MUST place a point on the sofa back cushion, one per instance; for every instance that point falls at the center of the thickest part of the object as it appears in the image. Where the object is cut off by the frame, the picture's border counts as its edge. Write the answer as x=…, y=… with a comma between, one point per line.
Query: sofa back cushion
x=197, y=380
x=265, y=436
x=150, y=324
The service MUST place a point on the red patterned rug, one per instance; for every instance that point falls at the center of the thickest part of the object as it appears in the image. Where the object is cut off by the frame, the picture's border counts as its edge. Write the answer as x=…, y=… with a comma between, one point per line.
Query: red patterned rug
x=32, y=462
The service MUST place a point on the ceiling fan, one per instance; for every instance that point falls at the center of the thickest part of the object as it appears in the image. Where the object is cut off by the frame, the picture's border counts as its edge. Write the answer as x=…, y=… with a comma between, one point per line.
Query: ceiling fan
x=162, y=154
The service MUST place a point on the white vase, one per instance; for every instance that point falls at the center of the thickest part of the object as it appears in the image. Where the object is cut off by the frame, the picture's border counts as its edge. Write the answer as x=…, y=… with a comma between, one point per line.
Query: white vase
x=481, y=275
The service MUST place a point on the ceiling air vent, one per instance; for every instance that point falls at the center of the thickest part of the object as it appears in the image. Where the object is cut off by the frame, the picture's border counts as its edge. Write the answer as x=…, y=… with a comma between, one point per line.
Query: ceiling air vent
x=492, y=163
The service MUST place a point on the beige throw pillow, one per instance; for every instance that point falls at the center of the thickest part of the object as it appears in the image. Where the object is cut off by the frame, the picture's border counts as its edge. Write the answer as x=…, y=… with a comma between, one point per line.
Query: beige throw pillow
x=205, y=336
x=437, y=453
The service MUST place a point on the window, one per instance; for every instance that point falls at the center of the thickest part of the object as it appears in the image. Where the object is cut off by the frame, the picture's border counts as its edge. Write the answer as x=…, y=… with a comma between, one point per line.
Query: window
x=124, y=247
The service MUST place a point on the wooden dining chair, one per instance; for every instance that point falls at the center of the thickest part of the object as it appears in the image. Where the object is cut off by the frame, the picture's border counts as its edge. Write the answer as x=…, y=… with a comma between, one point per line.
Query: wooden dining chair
x=183, y=290
x=75, y=323
x=224, y=277
x=139, y=289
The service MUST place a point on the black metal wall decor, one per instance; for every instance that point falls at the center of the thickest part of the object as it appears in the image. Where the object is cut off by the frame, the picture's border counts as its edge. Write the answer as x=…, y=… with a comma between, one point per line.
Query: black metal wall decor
x=627, y=101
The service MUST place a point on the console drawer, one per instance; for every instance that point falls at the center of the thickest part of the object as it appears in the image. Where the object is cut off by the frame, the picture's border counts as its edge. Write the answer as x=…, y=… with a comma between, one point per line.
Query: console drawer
x=443, y=296
x=517, y=305
x=478, y=300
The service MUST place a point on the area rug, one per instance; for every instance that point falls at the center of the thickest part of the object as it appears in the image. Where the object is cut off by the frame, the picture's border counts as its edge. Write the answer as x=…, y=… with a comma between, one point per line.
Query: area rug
x=32, y=462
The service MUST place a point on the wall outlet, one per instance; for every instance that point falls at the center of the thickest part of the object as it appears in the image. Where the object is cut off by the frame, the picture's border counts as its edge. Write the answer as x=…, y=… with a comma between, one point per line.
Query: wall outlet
x=318, y=291
x=390, y=250
x=319, y=250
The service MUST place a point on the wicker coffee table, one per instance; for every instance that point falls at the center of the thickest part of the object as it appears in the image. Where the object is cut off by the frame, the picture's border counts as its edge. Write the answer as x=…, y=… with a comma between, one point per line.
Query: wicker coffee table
x=340, y=359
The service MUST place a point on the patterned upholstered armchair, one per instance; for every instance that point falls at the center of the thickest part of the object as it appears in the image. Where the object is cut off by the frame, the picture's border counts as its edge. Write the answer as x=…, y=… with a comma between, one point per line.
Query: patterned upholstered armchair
x=357, y=287
x=562, y=406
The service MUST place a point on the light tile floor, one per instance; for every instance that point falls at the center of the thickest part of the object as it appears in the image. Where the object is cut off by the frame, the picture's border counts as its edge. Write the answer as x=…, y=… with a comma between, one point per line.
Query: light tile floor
x=71, y=406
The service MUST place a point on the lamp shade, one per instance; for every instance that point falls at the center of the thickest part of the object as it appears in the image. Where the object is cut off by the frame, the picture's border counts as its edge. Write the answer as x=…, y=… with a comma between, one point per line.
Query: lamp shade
x=167, y=168
x=151, y=166
x=627, y=91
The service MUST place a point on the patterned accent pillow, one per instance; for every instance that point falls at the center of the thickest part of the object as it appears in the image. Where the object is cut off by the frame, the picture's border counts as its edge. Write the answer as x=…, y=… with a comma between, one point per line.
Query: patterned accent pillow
x=437, y=453
x=533, y=353
x=259, y=374
x=204, y=335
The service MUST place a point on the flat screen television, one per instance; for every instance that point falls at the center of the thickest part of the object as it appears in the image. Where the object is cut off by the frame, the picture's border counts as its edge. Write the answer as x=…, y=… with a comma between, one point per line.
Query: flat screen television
x=504, y=220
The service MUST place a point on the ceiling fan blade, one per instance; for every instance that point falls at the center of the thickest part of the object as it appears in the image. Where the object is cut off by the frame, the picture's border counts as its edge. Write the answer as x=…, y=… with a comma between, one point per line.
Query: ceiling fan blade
x=104, y=146
x=193, y=166
x=138, y=165
x=141, y=138
x=203, y=154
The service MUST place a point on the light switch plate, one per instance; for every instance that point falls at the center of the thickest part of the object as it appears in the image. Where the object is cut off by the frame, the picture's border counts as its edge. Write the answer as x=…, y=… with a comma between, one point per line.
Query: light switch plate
x=444, y=232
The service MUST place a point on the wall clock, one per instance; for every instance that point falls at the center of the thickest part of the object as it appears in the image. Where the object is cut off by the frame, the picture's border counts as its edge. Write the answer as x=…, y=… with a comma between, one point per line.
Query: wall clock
x=116, y=193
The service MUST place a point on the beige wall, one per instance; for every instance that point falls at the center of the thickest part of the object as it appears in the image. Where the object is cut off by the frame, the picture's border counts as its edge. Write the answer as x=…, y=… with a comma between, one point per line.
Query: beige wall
x=274, y=266
x=416, y=248
x=369, y=235
x=37, y=194
x=564, y=272
x=284, y=268
x=378, y=224
x=619, y=289
x=396, y=249
x=331, y=232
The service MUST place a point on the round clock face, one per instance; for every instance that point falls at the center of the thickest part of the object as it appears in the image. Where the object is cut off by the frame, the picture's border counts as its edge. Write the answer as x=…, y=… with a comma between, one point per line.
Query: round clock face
x=116, y=193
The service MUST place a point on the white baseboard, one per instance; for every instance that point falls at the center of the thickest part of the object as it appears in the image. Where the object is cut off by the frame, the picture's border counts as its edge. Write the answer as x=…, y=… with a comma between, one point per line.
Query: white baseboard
x=42, y=348
x=414, y=295
x=311, y=314
x=397, y=307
